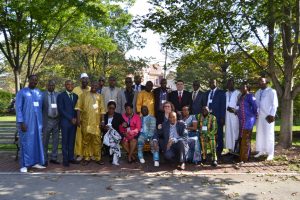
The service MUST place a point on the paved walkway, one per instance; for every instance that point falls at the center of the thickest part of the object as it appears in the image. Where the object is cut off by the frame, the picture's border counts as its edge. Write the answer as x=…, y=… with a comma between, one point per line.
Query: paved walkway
x=8, y=164
x=118, y=185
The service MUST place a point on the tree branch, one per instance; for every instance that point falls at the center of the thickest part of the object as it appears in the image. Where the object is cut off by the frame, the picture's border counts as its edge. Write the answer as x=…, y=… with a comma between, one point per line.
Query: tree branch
x=295, y=91
x=253, y=29
x=241, y=48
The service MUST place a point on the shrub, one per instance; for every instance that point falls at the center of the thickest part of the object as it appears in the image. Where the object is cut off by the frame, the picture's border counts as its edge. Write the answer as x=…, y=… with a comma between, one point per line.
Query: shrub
x=5, y=99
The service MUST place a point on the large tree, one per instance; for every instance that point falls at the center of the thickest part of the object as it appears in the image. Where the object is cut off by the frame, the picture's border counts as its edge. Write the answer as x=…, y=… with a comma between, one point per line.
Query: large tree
x=30, y=28
x=272, y=24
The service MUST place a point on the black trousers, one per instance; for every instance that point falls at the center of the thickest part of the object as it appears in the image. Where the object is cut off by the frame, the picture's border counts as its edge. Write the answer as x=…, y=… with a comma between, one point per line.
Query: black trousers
x=68, y=133
x=176, y=152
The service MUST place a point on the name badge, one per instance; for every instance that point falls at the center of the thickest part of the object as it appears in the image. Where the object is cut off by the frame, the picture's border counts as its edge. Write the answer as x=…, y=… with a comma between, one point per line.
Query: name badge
x=204, y=128
x=95, y=106
x=210, y=101
x=36, y=104
x=53, y=105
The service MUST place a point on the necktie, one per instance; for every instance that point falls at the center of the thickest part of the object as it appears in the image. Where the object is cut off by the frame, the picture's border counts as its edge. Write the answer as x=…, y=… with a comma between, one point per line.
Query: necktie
x=180, y=97
x=53, y=111
x=211, y=94
x=52, y=97
x=71, y=96
x=194, y=95
x=211, y=98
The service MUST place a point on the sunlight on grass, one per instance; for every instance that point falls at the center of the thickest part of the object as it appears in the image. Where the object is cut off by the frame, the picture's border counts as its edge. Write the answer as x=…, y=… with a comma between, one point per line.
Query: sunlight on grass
x=7, y=118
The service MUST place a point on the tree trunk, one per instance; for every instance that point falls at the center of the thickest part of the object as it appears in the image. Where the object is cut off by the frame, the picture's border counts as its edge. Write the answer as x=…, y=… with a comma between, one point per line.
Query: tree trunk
x=286, y=132
x=17, y=80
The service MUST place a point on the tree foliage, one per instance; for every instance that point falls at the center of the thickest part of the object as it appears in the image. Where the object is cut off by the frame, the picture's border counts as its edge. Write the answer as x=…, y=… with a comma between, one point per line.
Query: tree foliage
x=31, y=28
x=241, y=25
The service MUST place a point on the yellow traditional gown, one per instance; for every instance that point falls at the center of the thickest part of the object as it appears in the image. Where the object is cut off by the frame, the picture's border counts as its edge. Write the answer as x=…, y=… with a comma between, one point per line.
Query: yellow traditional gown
x=145, y=98
x=78, y=141
x=91, y=107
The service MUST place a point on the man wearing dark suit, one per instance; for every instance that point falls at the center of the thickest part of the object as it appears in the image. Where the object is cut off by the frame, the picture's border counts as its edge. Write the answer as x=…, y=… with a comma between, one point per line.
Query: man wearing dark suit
x=161, y=95
x=198, y=99
x=216, y=102
x=172, y=136
x=180, y=97
x=66, y=102
x=137, y=87
x=50, y=122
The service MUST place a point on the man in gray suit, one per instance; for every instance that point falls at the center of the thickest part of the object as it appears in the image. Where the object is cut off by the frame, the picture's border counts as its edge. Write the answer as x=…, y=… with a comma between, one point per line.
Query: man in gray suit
x=198, y=98
x=50, y=122
x=127, y=95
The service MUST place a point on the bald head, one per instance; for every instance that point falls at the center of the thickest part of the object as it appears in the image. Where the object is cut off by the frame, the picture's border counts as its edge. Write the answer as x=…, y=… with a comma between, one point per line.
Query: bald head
x=172, y=117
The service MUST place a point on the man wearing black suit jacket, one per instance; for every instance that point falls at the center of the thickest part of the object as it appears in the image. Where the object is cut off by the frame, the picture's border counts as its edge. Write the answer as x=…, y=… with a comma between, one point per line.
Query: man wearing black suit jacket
x=216, y=102
x=198, y=99
x=137, y=87
x=161, y=95
x=180, y=97
x=172, y=136
x=66, y=102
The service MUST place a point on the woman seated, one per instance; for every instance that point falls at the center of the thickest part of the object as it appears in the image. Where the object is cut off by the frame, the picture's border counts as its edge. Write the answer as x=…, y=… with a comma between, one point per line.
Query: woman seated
x=112, y=138
x=194, y=153
x=130, y=129
x=168, y=108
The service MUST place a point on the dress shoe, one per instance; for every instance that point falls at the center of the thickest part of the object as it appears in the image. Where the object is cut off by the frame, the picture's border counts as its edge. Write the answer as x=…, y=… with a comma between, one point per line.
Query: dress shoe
x=79, y=158
x=85, y=162
x=259, y=154
x=99, y=162
x=182, y=166
x=270, y=157
x=214, y=163
x=54, y=162
x=38, y=166
x=66, y=164
x=24, y=170
x=74, y=161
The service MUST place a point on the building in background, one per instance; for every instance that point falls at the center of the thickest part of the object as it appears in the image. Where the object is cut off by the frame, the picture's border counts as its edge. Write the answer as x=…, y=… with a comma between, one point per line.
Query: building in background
x=153, y=73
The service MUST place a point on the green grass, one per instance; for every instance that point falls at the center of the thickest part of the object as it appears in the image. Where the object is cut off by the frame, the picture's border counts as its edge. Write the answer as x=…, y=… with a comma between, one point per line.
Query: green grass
x=7, y=118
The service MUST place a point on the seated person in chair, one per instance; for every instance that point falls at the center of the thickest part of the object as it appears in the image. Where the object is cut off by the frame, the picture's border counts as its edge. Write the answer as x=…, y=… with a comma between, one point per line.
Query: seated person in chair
x=146, y=134
x=173, y=136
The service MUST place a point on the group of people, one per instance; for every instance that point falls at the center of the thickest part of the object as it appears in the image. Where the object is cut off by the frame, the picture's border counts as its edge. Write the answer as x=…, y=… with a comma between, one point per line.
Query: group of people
x=180, y=125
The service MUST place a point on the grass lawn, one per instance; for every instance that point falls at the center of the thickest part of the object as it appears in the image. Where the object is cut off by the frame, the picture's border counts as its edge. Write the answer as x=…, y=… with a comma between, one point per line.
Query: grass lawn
x=7, y=118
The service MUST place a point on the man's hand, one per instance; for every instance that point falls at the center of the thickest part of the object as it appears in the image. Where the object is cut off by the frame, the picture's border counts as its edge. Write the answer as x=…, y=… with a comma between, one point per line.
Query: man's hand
x=222, y=121
x=124, y=125
x=270, y=119
x=155, y=145
x=23, y=127
x=230, y=109
x=169, y=144
x=74, y=121
x=159, y=126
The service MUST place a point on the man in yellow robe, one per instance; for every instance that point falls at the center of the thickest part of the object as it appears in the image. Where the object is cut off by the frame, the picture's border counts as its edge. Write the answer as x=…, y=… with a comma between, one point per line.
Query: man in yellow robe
x=90, y=112
x=79, y=90
x=146, y=98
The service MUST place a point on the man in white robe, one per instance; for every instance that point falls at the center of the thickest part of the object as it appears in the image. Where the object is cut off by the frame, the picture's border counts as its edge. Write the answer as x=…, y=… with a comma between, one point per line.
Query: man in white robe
x=267, y=103
x=232, y=120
